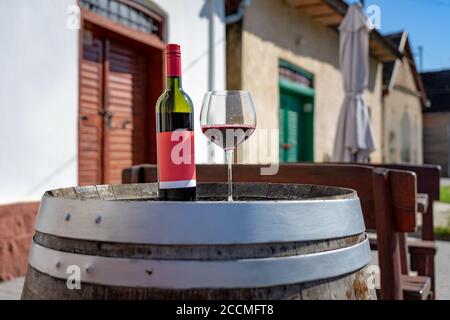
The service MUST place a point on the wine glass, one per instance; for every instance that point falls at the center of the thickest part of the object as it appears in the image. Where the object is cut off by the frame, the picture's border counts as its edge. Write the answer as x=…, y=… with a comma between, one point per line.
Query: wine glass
x=228, y=118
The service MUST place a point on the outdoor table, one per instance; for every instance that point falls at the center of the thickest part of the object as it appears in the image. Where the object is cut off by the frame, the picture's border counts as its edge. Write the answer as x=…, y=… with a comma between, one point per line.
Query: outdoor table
x=276, y=241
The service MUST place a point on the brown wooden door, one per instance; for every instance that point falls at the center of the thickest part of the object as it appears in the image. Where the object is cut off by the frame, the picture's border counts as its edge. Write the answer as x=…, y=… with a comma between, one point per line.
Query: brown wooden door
x=126, y=133
x=90, y=133
x=115, y=119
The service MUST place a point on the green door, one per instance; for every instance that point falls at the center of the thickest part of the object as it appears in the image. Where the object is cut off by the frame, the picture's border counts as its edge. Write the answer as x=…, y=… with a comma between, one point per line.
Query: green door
x=296, y=124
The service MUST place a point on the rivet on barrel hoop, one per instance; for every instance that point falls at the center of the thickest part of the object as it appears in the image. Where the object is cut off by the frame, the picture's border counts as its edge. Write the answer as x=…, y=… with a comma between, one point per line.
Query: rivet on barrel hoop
x=98, y=219
x=67, y=216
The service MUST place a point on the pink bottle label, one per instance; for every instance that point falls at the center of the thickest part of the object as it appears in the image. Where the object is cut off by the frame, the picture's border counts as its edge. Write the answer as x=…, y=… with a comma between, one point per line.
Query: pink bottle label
x=176, y=162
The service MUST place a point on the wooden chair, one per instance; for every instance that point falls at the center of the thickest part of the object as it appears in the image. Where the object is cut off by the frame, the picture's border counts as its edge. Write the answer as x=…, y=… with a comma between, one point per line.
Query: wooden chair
x=387, y=199
x=395, y=186
x=422, y=253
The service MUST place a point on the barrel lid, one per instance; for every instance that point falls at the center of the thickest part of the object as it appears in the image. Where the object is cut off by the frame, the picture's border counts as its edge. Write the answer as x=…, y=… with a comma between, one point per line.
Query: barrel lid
x=94, y=213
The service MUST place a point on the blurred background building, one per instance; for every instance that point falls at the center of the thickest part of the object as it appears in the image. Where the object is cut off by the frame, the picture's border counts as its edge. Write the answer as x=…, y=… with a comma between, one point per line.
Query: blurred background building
x=287, y=54
x=436, y=119
x=404, y=97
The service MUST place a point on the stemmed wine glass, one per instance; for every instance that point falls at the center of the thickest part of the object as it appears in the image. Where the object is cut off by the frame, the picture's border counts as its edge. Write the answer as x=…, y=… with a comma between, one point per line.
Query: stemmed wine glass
x=228, y=118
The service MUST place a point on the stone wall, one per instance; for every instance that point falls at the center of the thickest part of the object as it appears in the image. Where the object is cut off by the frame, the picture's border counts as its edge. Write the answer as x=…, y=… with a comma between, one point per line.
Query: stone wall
x=16, y=232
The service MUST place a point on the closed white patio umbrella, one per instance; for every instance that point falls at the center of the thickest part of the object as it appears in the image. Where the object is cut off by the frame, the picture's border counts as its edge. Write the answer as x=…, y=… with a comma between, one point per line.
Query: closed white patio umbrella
x=354, y=138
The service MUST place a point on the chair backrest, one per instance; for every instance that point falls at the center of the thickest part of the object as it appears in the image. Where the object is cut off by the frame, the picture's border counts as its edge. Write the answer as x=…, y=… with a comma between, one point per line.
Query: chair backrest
x=387, y=200
x=428, y=182
x=393, y=186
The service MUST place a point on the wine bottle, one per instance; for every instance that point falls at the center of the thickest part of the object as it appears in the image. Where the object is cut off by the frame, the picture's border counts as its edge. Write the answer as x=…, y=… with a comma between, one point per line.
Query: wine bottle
x=175, y=135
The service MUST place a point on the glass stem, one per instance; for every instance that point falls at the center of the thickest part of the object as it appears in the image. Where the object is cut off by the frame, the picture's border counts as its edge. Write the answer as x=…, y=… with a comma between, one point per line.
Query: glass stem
x=229, y=154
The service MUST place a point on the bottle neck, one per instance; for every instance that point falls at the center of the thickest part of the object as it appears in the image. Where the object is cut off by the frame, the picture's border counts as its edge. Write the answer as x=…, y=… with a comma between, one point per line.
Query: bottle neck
x=173, y=66
x=173, y=83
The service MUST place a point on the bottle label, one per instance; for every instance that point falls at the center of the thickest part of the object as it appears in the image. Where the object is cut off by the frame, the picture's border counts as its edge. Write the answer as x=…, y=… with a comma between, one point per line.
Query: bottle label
x=176, y=162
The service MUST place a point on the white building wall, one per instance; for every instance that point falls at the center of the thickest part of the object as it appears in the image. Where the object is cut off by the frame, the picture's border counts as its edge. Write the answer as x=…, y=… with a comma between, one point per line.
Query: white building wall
x=39, y=88
x=188, y=26
x=38, y=99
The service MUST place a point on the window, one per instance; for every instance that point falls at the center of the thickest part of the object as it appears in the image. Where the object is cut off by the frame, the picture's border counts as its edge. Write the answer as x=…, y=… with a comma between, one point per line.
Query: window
x=123, y=13
x=393, y=138
x=406, y=138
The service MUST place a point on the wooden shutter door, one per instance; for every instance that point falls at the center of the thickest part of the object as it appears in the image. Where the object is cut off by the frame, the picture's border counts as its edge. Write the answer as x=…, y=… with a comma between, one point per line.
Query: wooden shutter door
x=289, y=127
x=127, y=131
x=90, y=119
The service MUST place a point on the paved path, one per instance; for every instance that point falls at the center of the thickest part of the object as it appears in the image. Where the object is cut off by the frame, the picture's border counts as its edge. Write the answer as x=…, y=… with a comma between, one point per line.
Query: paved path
x=443, y=271
x=11, y=290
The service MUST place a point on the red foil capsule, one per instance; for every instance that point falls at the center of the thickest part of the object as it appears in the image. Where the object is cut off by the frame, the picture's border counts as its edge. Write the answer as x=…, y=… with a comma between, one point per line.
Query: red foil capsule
x=173, y=60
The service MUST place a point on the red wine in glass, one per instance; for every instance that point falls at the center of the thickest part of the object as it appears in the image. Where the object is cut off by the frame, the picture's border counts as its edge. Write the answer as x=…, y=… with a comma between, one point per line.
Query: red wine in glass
x=228, y=118
x=228, y=136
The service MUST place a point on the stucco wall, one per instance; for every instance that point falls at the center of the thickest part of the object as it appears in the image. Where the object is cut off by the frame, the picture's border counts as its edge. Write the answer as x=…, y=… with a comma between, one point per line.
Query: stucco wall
x=38, y=99
x=402, y=103
x=273, y=31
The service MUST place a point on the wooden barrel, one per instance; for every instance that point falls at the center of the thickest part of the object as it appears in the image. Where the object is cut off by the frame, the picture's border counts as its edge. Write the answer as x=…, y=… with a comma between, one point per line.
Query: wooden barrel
x=276, y=241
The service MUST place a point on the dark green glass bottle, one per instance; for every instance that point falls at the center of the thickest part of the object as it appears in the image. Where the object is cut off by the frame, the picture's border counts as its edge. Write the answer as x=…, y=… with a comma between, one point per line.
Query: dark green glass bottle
x=175, y=135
